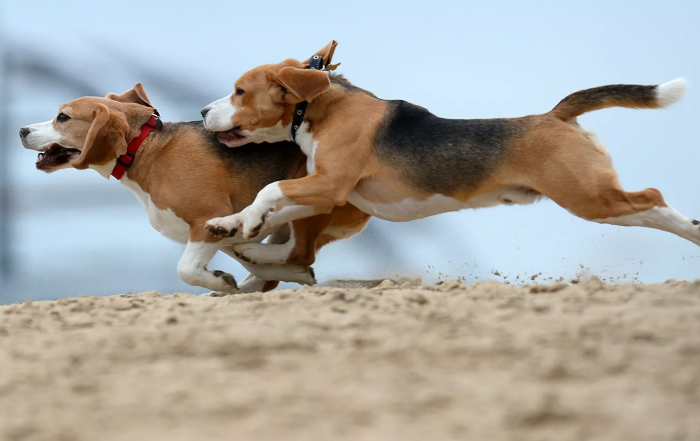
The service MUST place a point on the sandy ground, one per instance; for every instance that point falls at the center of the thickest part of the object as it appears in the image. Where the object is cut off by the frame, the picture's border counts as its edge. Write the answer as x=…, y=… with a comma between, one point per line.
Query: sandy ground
x=394, y=362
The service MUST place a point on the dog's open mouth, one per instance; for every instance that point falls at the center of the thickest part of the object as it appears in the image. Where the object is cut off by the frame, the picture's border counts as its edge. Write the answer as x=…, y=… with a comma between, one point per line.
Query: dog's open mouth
x=56, y=155
x=232, y=136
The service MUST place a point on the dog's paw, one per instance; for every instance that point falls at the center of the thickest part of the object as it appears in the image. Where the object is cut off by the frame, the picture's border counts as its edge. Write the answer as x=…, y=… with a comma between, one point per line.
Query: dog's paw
x=242, y=251
x=306, y=276
x=223, y=226
x=243, y=257
x=253, y=223
x=227, y=278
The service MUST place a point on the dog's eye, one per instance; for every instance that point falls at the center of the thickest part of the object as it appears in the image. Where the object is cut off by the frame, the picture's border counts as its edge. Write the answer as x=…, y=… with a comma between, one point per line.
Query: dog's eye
x=62, y=117
x=239, y=91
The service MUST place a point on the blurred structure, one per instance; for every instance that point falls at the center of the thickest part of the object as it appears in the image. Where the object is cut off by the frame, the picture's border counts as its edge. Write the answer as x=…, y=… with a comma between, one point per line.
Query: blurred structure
x=5, y=254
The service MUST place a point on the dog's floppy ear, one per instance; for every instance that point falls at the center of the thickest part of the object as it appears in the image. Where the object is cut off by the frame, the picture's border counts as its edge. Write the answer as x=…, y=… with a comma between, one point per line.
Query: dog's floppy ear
x=107, y=135
x=302, y=84
x=135, y=95
x=326, y=53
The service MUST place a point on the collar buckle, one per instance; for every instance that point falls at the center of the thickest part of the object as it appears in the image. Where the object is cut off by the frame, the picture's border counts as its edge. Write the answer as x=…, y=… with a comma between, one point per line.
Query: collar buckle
x=155, y=121
x=126, y=159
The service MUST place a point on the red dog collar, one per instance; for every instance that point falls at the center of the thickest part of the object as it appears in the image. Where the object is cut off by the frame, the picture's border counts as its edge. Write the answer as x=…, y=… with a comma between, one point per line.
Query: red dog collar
x=125, y=160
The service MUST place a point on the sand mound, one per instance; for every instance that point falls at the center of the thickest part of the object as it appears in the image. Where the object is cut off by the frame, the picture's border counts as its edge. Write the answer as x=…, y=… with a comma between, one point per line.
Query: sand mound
x=483, y=362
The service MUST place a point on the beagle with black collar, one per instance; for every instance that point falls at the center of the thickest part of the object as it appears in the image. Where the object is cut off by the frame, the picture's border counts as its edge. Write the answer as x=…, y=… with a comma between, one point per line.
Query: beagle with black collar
x=397, y=161
x=184, y=176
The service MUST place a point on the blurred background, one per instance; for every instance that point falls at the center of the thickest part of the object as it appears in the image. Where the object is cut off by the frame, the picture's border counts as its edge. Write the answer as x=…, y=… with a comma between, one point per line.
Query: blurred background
x=73, y=232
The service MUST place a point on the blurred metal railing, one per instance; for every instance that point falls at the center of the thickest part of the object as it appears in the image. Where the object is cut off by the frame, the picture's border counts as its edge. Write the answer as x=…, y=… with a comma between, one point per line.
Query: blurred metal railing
x=23, y=62
x=5, y=195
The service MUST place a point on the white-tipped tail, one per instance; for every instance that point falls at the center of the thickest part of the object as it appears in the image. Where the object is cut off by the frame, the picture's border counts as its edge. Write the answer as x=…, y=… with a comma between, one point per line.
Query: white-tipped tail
x=669, y=93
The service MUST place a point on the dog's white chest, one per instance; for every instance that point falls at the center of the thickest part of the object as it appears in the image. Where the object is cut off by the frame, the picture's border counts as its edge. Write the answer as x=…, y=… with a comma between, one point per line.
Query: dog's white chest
x=164, y=221
x=308, y=146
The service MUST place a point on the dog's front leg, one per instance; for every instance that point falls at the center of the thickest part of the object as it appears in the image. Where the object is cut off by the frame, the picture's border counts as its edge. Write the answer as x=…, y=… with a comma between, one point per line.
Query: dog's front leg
x=313, y=190
x=227, y=226
x=291, y=213
x=192, y=268
x=252, y=219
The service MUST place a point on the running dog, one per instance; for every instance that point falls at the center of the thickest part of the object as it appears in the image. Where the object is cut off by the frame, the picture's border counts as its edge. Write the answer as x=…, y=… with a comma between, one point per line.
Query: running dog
x=397, y=161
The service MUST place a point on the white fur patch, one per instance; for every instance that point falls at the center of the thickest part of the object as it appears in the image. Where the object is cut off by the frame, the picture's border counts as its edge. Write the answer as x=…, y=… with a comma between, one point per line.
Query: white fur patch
x=340, y=233
x=307, y=144
x=105, y=170
x=276, y=133
x=164, y=221
x=660, y=218
x=220, y=115
x=42, y=135
x=262, y=253
x=406, y=209
x=291, y=213
x=268, y=199
x=251, y=283
x=669, y=93
x=411, y=208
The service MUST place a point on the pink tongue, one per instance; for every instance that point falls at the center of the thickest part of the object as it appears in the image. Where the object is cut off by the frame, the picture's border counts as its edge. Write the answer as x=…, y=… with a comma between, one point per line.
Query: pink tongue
x=229, y=135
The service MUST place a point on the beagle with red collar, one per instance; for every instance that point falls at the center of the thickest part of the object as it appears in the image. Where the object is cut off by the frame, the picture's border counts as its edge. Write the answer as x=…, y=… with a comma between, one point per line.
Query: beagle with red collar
x=184, y=176
x=397, y=161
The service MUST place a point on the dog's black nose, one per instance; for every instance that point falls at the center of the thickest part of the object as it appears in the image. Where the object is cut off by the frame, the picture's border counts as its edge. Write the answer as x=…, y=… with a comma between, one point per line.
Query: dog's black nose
x=204, y=112
x=23, y=132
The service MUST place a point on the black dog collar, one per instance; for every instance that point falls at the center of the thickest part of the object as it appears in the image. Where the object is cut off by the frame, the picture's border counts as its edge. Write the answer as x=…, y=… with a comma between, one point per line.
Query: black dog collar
x=316, y=63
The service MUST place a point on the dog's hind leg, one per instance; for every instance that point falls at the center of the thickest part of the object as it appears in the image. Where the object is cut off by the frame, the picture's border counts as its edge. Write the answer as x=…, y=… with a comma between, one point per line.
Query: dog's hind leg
x=303, y=275
x=578, y=175
x=660, y=217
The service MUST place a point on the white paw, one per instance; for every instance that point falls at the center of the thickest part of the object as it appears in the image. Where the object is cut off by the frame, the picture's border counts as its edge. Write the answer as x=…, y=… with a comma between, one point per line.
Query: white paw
x=261, y=253
x=224, y=226
x=212, y=279
x=225, y=281
x=251, y=284
x=244, y=251
x=308, y=277
x=253, y=221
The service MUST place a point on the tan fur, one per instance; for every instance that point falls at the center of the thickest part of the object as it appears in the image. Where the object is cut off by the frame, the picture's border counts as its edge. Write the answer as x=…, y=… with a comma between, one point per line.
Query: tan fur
x=561, y=161
x=312, y=236
x=303, y=84
x=337, y=175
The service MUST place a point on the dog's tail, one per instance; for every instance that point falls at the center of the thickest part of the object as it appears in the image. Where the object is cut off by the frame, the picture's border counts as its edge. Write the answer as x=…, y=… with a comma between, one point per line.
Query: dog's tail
x=619, y=95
